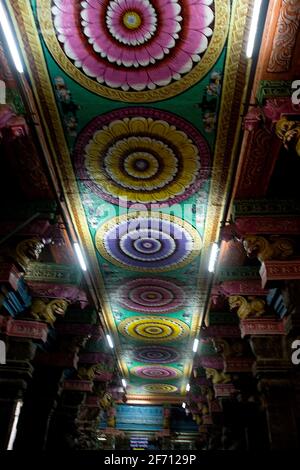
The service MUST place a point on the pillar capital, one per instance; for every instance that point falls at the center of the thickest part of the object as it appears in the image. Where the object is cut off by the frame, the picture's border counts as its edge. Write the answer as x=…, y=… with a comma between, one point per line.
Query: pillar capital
x=272, y=271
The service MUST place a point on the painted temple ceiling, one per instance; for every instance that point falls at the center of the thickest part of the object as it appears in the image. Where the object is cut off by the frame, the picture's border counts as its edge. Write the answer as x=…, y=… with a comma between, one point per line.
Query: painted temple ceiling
x=140, y=100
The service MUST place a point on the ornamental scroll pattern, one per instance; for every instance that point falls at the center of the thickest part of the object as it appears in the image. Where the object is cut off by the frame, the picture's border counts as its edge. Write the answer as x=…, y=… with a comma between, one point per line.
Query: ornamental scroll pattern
x=285, y=37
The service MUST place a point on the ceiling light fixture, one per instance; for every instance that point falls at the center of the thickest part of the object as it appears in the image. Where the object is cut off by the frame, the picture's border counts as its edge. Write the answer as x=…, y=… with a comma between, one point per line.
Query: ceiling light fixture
x=10, y=39
x=253, y=28
x=213, y=257
x=109, y=340
x=80, y=256
x=13, y=431
x=195, y=345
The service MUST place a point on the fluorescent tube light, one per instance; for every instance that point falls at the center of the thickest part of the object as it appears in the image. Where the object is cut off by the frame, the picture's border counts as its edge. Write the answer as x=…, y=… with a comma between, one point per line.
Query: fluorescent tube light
x=213, y=257
x=253, y=28
x=10, y=39
x=109, y=340
x=80, y=256
x=195, y=345
x=13, y=432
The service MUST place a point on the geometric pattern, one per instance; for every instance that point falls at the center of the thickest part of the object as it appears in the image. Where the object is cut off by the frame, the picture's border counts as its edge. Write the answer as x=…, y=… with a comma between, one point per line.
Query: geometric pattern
x=138, y=155
x=156, y=329
x=151, y=295
x=121, y=47
x=138, y=242
x=156, y=354
x=156, y=372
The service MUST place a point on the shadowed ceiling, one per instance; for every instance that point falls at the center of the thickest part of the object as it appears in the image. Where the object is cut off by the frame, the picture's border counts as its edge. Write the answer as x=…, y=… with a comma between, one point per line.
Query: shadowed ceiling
x=140, y=101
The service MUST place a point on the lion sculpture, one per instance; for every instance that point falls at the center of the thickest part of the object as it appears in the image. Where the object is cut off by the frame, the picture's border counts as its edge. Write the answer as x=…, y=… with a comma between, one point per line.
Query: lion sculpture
x=289, y=133
x=264, y=250
x=226, y=349
x=27, y=251
x=253, y=306
x=48, y=312
x=217, y=377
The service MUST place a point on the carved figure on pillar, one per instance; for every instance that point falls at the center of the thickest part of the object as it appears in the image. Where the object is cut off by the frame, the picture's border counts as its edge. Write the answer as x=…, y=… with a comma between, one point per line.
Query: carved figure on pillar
x=253, y=306
x=48, y=312
x=235, y=348
x=106, y=402
x=263, y=249
x=87, y=373
x=289, y=132
x=27, y=251
x=217, y=377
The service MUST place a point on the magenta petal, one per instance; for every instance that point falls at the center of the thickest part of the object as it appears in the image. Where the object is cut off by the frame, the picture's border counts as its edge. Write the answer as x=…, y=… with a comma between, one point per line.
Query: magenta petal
x=200, y=17
x=74, y=49
x=160, y=75
x=64, y=24
x=114, y=78
x=126, y=56
x=155, y=50
x=93, y=17
x=97, y=4
x=164, y=5
x=142, y=56
x=181, y=63
x=172, y=10
x=103, y=43
x=133, y=4
x=92, y=67
x=137, y=79
x=65, y=5
x=196, y=43
x=166, y=40
x=169, y=25
x=92, y=30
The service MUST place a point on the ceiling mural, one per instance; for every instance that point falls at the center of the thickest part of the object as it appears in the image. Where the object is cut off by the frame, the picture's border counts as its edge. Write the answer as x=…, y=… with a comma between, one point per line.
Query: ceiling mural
x=148, y=243
x=145, y=155
x=117, y=48
x=130, y=91
x=151, y=295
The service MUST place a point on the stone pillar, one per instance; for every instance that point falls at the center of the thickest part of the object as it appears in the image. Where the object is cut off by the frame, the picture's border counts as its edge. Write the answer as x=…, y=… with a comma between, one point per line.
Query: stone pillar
x=273, y=370
x=44, y=390
x=39, y=404
x=76, y=419
x=21, y=339
x=12, y=390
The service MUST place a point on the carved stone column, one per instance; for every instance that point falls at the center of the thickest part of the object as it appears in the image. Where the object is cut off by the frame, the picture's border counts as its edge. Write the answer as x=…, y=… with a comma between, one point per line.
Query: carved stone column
x=21, y=339
x=273, y=370
x=39, y=403
x=41, y=398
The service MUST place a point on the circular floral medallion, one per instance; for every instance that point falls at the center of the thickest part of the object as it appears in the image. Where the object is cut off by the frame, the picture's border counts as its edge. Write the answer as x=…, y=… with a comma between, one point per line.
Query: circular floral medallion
x=153, y=329
x=151, y=295
x=142, y=243
x=141, y=155
x=156, y=372
x=160, y=388
x=131, y=50
x=156, y=354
